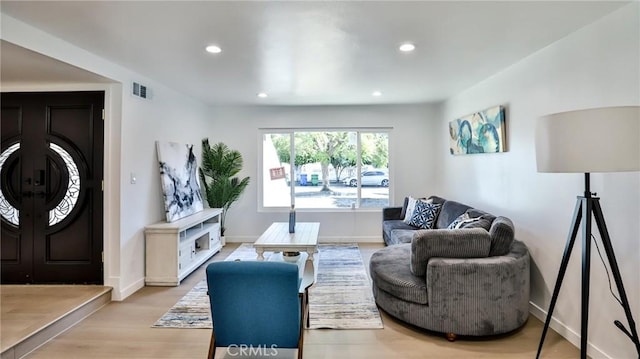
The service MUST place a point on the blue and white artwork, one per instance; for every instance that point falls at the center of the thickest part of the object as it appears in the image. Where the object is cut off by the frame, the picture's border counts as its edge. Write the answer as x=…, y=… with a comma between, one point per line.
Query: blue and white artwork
x=480, y=132
x=179, y=180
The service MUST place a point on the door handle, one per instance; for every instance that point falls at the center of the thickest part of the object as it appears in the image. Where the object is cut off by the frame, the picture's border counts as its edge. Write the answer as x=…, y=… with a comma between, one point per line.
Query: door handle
x=39, y=178
x=27, y=194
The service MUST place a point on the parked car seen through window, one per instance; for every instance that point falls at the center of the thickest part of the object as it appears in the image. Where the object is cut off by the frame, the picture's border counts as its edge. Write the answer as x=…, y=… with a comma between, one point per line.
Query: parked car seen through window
x=369, y=178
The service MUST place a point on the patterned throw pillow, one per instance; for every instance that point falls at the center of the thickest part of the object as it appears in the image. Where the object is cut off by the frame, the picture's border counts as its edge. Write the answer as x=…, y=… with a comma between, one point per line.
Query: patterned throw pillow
x=457, y=222
x=479, y=222
x=411, y=205
x=466, y=221
x=462, y=221
x=425, y=214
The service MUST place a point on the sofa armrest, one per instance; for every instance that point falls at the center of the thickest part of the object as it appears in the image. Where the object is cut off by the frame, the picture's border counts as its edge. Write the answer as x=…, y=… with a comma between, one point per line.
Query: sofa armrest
x=487, y=287
x=391, y=213
x=447, y=243
x=502, y=235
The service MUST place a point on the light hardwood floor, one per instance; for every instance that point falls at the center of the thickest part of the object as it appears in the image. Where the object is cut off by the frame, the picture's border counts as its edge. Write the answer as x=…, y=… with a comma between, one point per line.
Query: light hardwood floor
x=123, y=330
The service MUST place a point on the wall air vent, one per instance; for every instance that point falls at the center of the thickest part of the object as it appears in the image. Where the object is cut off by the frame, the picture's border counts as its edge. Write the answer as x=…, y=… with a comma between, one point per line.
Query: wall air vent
x=140, y=90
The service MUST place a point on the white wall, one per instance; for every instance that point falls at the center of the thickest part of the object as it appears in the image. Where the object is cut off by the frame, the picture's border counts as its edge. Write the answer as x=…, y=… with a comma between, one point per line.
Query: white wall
x=167, y=116
x=593, y=67
x=132, y=126
x=411, y=163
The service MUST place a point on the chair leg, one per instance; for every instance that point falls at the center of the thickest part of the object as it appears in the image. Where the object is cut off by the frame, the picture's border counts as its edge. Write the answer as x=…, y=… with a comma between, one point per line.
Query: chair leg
x=303, y=310
x=306, y=306
x=212, y=346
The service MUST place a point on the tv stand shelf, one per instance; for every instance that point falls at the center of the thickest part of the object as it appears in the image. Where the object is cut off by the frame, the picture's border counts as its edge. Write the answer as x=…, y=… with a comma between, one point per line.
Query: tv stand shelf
x=175, y=249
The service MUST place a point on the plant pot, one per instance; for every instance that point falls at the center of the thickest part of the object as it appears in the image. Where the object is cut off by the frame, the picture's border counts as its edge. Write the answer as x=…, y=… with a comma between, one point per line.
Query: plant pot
x=290, y=256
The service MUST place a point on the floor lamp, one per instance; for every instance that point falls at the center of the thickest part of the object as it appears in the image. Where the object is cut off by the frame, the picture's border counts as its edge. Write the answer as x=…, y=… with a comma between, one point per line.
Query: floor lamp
x=587, y=141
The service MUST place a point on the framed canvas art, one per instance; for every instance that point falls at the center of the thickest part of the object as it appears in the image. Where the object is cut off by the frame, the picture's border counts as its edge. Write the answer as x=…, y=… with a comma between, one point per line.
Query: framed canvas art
x=179, y=180
x=480, y=132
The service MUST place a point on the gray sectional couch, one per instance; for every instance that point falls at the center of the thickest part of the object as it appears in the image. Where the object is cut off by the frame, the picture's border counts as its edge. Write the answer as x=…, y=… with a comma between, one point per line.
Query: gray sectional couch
x=468, y=281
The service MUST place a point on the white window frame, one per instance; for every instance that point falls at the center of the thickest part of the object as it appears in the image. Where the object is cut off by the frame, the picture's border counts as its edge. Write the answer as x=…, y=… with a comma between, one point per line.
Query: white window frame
x=292, y=131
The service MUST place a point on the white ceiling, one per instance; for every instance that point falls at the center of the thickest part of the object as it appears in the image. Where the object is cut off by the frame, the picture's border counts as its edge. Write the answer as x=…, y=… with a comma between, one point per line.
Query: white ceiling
x=300, y=53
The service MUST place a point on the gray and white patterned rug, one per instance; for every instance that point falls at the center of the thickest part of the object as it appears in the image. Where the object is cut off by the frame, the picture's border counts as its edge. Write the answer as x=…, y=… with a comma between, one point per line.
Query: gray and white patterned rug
x=341, y=298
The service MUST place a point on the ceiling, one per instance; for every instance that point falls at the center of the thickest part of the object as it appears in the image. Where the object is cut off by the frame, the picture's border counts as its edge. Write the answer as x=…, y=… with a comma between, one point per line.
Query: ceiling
x=299, y=53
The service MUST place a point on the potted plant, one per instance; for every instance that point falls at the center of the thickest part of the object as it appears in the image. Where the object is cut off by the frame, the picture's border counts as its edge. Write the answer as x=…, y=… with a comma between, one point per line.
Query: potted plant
x=219, y=166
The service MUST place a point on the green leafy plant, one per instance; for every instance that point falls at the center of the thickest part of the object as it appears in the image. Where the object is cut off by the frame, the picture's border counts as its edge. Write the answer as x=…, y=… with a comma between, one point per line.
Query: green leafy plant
x=220, y=164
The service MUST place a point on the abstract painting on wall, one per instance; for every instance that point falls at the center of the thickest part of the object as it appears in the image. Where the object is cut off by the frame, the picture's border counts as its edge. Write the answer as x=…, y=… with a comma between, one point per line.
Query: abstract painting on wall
x=480, y=132
x=179, y=180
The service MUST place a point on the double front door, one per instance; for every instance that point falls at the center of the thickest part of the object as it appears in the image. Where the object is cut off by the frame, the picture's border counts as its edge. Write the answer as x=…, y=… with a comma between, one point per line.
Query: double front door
x=51, y=202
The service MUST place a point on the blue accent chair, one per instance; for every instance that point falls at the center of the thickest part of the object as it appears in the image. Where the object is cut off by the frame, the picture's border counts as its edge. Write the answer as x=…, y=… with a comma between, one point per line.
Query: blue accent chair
x=256, y=305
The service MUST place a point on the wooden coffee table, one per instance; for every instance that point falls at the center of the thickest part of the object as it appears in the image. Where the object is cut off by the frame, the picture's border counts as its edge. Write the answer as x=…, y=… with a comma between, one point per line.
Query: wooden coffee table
x=278, y=239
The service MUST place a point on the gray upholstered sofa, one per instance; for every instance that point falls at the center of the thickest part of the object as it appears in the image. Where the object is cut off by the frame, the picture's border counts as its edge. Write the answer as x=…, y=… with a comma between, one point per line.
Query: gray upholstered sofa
x=467, y=281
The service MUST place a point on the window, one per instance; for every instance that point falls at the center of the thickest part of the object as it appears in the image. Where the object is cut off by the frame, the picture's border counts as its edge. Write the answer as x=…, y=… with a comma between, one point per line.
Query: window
x=325, y=167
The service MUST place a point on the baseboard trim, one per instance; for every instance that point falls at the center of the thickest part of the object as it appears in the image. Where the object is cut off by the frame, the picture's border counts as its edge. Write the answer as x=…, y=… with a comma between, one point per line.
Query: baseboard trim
x=569, y=334
x=127, y=291
x=321, y=239
x=353, y=239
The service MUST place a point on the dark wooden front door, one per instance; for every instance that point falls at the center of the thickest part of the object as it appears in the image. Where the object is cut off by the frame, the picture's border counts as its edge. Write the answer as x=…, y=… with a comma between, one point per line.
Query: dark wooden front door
x=51, y=162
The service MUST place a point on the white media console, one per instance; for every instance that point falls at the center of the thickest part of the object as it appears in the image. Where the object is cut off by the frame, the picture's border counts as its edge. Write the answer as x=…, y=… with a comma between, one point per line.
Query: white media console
x=175, y=249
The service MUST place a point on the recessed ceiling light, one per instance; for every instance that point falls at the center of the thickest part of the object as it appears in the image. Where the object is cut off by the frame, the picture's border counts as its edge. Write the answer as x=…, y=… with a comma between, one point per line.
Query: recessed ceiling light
x=376, y=93
x=262, y=95
x=407, y=47
x=213, y=49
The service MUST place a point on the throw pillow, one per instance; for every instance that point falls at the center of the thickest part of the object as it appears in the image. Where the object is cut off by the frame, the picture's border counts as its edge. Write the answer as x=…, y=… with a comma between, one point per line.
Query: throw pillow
x=479, y=222
x=456, y=222
x=425, y=214
x=466, y=221
x=411, y=205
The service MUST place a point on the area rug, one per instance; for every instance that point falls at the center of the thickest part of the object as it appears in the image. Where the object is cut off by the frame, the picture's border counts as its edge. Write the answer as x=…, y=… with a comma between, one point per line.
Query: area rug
x=192, y=311
x=341, y=298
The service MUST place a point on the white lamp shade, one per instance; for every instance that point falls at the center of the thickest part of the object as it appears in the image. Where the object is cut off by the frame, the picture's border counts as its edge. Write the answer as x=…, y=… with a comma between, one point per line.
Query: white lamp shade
x=594, y=140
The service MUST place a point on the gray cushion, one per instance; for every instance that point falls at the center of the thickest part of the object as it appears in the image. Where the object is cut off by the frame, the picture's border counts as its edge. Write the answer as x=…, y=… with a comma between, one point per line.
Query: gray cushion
x=390, y=213
x=473, y=212
x=399, y=236
x=449, y=212
x=436, y=199
x=388, y=226
x=404, y=207
x=389, y=269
